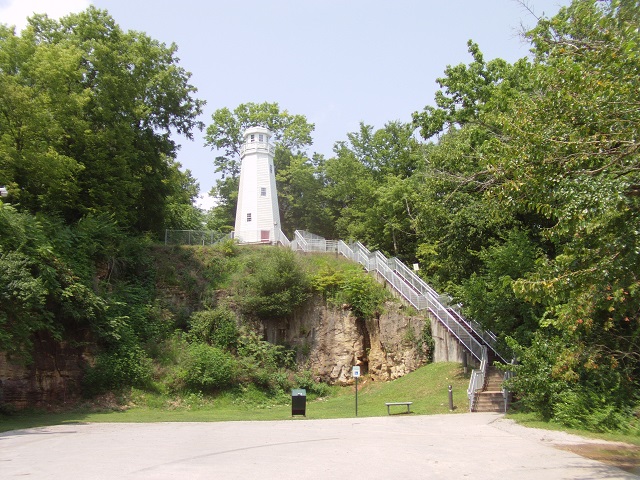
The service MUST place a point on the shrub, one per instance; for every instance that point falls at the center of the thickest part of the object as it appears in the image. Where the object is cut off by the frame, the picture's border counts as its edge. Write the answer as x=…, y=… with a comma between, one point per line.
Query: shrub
x=586, y=409
x=261, y=353
x=127, y=365
x=566, y=381
x=305, y=380
x=272, y=285
x=216, y=327
x=364, y=296
x=205, y=368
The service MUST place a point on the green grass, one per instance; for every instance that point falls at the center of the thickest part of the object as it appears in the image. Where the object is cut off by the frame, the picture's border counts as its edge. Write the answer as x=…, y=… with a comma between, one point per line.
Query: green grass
x=427, y=388
x=534, y=421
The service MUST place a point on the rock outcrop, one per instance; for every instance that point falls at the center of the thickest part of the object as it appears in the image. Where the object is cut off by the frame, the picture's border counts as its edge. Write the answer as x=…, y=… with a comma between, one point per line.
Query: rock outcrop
x=332, y=340
x=329, y=341
x=51, y=378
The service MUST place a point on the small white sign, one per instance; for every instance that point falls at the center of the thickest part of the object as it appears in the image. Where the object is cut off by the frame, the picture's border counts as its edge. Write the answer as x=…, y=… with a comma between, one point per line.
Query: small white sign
x=355, y=372
x=416, y=267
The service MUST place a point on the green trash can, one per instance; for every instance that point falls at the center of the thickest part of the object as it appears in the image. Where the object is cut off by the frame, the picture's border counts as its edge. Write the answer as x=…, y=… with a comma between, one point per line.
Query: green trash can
x=298, y=402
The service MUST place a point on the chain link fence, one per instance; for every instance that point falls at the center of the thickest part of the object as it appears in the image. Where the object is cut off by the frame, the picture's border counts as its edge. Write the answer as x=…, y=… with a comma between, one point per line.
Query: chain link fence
x=194, y=237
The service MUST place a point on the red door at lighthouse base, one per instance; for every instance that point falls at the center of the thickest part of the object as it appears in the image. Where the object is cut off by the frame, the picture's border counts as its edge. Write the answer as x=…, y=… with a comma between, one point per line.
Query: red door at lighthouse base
x=265, y=236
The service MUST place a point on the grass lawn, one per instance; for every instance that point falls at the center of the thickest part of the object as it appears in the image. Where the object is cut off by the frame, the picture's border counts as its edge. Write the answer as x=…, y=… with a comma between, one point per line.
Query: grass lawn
x=427, y=388
x=534, y=421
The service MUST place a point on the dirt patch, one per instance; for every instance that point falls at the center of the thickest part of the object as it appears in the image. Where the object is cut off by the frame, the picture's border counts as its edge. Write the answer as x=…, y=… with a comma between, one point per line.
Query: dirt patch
x=626, y=457
x=622, y=455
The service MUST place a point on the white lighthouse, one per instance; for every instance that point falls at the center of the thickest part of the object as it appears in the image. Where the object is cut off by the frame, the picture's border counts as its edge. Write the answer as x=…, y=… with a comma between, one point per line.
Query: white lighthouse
x=257, y=215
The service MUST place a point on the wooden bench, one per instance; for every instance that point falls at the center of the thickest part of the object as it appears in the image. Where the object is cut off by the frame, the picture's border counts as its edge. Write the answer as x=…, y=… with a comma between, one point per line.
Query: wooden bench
x=389, y=404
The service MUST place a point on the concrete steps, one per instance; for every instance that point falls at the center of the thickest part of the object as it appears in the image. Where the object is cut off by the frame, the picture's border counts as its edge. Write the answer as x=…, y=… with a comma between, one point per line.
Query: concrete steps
x=491, y=398
x=489, y=402
x=494, y=380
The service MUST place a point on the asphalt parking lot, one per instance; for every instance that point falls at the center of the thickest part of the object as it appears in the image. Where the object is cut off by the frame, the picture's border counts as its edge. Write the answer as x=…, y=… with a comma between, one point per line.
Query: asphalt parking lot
x=478, y=446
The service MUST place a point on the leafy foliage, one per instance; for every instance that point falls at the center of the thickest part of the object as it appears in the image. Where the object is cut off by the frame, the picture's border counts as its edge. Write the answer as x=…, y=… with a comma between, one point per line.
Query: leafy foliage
x=351, y=288
x=86, y=113
x=216, y=327
x=548, y=149
x=127, y=364
x=564, y=381
x=272, y=285
x=522, y=203
x=206, y=368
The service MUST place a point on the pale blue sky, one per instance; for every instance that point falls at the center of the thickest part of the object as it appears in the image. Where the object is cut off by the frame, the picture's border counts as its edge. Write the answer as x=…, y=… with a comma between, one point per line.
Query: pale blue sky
x=338, y=62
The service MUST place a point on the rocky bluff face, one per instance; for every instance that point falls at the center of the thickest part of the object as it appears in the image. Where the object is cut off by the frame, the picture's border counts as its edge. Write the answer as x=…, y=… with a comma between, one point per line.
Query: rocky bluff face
x=332, y=340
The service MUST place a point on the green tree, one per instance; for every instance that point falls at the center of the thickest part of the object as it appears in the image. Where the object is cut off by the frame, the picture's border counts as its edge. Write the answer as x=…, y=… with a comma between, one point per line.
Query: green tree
x=302, y=197
x=181, y=213
x=552, y=153
x=272, y=285
x=573, y=157
x=87, y=114
x=40, y=293
x=369, y=187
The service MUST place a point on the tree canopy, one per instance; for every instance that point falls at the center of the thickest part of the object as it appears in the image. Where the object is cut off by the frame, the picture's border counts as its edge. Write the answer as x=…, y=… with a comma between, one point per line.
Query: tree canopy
x=552, y=155
x=87, y=113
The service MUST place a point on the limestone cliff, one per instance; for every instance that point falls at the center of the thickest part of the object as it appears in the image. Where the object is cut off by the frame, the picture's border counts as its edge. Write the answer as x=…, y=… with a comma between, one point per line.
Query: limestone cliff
x=51, y=378
x=331, y=341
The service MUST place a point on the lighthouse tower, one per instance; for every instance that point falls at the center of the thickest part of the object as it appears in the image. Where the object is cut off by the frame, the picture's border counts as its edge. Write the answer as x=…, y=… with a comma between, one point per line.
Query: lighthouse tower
x=257, y=215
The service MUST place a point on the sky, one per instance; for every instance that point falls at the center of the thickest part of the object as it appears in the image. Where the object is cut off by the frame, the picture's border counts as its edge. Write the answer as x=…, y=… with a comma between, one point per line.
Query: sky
x=337, y=62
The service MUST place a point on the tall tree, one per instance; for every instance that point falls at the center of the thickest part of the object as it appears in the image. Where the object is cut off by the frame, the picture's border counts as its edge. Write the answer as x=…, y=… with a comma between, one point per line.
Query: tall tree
x=573, y=157
x=555, y=153
x=89, y=110
x=303, y=201
x=368, y=184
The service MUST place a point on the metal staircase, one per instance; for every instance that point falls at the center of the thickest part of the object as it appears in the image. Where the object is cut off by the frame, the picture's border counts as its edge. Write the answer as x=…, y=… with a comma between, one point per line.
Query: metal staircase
x=411, y=287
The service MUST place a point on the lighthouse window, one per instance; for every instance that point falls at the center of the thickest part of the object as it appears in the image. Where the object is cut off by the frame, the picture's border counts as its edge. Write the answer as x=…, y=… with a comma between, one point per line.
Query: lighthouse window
x=260, y=138
x=253, y=137
x=263, y=191
x=248, y=217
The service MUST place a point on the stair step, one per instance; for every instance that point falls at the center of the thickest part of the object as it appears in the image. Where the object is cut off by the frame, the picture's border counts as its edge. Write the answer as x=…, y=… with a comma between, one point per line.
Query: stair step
x=492, y=408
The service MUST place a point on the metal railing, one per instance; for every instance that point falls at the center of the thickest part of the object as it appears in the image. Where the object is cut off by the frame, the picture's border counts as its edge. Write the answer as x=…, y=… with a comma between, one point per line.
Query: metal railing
x=477, y=380
x=403, y=280
x=281, y=238
x=193, y=237
x=259, y=146
x=411, y=287
x=418, y=293
x=506, y=393
x=309, y=242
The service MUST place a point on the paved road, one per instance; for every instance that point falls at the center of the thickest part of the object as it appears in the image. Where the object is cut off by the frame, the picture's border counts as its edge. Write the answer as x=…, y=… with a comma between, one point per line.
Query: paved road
x=477, y=446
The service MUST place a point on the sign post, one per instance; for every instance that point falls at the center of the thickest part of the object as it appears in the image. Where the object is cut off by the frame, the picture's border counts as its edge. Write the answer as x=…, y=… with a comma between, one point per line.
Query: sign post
x=356, y=374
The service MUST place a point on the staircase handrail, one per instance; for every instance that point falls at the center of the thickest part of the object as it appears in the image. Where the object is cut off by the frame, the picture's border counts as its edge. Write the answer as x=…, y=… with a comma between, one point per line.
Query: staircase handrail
x=420, y=285
x=478, y=379
x=414, y=280
x=487, y=336
x=345, y=250
x=301, y=241
x=409, y=285
x=378, y=262
x=506, y=393
x=281, y=238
